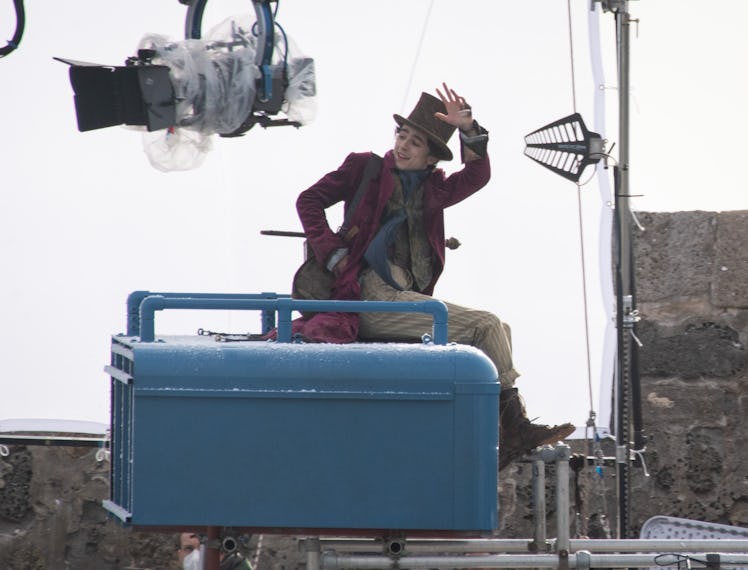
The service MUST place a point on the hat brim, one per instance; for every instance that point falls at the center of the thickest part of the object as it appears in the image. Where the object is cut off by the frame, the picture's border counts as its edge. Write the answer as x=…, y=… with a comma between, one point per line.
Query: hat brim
x=443, y=149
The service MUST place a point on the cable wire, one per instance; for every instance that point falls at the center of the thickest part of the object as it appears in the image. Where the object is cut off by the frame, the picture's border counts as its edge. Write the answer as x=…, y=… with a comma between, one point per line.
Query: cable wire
x=418, y=54
x=571, y=58
x=585, y=302
x=584, y=295
x=18, y=34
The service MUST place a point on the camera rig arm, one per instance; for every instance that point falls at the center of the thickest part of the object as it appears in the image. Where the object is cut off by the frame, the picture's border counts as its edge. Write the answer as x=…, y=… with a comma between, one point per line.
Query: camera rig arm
x=273, y=79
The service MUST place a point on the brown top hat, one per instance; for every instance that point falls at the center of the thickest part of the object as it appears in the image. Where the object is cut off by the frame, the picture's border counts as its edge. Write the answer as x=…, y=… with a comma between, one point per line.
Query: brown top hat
x=422, y=118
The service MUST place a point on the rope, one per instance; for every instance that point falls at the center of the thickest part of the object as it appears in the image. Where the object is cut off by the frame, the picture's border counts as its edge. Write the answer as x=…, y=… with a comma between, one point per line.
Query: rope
x=571, y=58
x=584, y=295
x=418, y=54
x=598, y=521
x=585, y=301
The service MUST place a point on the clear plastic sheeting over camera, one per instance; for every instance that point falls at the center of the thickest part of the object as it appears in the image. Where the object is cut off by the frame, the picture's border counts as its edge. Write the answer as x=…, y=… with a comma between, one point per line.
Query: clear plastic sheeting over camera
x=215, y=83
x=214, y=87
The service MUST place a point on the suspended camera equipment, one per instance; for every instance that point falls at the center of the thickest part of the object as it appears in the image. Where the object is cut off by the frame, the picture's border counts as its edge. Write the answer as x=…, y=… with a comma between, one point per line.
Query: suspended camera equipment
x=144, y=93
x=273, y=82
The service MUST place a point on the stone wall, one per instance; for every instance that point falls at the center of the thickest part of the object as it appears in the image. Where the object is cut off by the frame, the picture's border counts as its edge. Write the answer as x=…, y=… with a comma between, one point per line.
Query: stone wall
x=51, y=515
x=51, y=518
x=692, y=292
x=692, y=271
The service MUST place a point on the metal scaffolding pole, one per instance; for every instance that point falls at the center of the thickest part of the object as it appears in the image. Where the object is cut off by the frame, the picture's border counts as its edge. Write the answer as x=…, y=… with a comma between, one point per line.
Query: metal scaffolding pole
x=562, y=552
x=627, y=388
x=582, y=560
x=523, y=545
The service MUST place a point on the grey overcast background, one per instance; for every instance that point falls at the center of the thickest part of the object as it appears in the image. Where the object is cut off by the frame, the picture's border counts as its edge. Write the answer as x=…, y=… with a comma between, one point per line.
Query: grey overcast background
x=85, y=219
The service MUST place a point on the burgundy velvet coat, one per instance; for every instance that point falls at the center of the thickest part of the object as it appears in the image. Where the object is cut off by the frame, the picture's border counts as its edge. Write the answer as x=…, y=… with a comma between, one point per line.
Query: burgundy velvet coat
x=440, y=192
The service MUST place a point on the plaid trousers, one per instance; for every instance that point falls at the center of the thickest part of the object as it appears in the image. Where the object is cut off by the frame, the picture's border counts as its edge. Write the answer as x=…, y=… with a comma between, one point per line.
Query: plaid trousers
x=481, y=329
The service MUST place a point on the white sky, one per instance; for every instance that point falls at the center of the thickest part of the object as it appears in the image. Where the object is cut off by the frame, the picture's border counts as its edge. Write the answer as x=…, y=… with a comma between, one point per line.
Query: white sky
x=85, y=219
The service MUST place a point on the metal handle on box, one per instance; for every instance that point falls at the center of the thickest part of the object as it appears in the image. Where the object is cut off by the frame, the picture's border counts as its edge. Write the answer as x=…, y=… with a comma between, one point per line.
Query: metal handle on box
x=136, y=297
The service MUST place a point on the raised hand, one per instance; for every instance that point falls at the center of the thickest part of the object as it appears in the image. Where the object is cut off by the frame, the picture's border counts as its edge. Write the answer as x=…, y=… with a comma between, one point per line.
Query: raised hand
x=458, y=113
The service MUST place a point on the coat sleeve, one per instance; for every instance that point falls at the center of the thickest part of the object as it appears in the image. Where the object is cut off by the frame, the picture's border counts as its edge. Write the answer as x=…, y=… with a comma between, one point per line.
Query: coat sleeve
x=454, y=188
x=336, y=186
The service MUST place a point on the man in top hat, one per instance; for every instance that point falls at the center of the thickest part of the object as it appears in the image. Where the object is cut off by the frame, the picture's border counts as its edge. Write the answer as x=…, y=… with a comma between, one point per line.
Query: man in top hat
x=392, y=248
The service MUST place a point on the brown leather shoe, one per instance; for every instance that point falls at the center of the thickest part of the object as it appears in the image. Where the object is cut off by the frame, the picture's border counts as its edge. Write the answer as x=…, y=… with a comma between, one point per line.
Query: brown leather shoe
x=521, y=441
x=517, y=434
x=535, y=435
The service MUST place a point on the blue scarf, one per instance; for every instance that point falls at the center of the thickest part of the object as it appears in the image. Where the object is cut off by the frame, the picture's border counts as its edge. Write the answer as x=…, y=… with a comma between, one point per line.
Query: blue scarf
x=376, y=253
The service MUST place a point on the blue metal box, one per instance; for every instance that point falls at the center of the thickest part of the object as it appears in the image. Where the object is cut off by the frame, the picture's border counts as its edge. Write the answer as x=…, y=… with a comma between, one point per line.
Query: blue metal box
x=280, y=435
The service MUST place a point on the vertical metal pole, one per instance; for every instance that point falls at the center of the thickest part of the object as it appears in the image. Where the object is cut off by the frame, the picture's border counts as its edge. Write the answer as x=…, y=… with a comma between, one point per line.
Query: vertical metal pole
x=212, y=560
x=623, y=216
x=312, y=548
x=624, y=25
x=563, y=454
x=539, y=511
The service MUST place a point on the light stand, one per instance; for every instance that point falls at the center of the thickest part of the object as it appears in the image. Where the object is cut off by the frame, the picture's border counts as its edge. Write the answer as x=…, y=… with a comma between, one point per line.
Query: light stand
x=628, y=386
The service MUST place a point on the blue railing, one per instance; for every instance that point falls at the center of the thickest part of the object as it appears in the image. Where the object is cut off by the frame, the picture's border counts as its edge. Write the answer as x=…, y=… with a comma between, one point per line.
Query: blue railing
x=143, y=305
